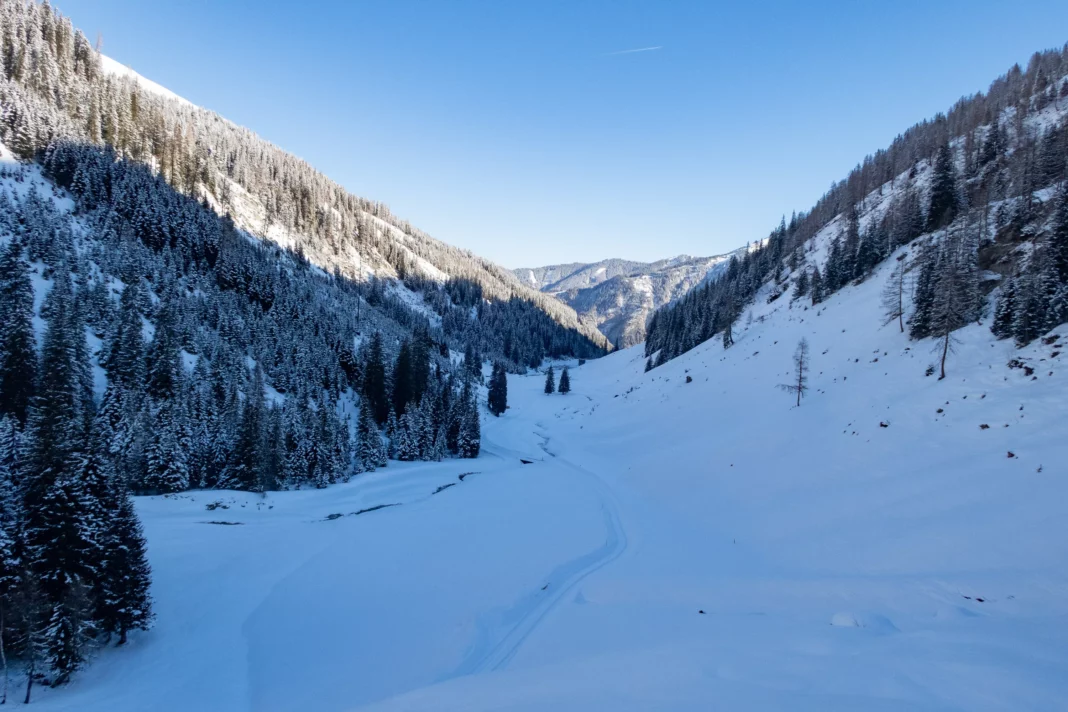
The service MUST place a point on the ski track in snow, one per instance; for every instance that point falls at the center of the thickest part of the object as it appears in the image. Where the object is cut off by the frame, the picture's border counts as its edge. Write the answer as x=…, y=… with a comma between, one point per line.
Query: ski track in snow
x=524, y=617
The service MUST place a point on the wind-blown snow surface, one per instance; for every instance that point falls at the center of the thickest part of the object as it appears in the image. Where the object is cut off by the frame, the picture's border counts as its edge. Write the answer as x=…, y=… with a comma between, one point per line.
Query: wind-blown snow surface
x=673, y=545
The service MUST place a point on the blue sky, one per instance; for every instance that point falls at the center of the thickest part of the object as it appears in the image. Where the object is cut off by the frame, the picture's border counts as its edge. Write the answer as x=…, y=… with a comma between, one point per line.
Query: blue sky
x=522, y=131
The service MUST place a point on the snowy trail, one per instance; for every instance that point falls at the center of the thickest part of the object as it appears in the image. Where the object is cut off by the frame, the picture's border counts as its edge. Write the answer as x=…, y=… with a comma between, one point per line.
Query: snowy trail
x=493, y=651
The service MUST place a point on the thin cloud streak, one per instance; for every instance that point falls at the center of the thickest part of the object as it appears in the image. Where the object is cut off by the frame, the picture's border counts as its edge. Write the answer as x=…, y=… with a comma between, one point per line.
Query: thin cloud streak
x=632, y=51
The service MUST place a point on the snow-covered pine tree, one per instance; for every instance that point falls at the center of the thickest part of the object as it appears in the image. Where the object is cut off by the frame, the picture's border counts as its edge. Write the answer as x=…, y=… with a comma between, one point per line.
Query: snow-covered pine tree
x=498, y=390
x=62, y=523
x=374, y=380
x=127, y=604
x=550, y=380
x=1005, y=310
x=18, y=360
x=11, y=545
x=370, y=451
x=470, y=438
x=167, y=467
x=245, y=464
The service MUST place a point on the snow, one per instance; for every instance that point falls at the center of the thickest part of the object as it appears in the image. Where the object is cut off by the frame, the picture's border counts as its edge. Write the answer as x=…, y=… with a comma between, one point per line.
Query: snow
x=115, y=68
x=414, y=301
x=669, y=544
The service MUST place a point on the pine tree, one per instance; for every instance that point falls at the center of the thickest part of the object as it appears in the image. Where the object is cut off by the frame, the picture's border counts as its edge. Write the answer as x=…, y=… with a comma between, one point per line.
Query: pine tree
x=924, y=298
x=801, y=286
x=730, y=315
x=164, y=370
x=565, y=381
x=944, y=202
x=799, y=386
x=1005, y=311
x=1058, y=236
x=498, y=390
x=166, y=457
x=18, y=359
x=127, y=575
x=370, y=451
x=11, y=517
x=403, y=378
x=817, y=286
x=245, y=468
x=955, y=292
x=374, y=380
x=273, y=461
x=470, y=429
x=60, y=539
x=408, y=437
x=125, y=360
x=30, y=615
x=550, y=381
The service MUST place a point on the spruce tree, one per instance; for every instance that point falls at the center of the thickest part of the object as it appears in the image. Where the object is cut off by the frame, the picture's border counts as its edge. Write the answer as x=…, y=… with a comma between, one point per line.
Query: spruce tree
x=550, y=381
x=470, y=429
x=1058, y=236
x=1005, y=311
x=167, y=467
x=498, y=390
x=403, y=380
x=944, y=202
x=18, y=359
x=127, y=604
x=370, y=451
x=924, y=298
x=245, y=466
x=801, y=285
x=565, y=381
x=11, y=517
x=164, y=369
x=816, y=287
x=374, y=380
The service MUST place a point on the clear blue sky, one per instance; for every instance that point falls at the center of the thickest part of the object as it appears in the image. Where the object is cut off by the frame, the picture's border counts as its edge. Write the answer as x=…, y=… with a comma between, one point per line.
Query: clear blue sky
x=511, y=128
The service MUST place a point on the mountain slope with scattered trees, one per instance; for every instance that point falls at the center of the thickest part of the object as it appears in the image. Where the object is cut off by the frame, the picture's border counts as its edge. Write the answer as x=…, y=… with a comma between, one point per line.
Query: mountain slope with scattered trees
x=978, y=195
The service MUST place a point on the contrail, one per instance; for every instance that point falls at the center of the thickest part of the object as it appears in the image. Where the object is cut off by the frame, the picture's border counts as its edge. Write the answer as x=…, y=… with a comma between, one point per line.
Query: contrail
x=631, y=51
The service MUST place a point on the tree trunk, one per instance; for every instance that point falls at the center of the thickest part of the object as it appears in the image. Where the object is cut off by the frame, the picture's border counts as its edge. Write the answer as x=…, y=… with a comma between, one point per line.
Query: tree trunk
x=122, y=636
x=3, y=658
x=800, y=372
x=945, y=350
x=901, y=300
x=29, y=683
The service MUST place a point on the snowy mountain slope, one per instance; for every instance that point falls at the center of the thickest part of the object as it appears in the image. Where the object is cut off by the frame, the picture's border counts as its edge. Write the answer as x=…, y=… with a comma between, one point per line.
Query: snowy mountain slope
x=803, y=558
x=618, y=295
x=576, y=275
x=117, y=69
x=267, y=192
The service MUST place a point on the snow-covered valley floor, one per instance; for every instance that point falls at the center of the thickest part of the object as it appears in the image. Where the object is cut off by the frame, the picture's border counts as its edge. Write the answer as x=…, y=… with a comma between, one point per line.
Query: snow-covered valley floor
x=671, y=546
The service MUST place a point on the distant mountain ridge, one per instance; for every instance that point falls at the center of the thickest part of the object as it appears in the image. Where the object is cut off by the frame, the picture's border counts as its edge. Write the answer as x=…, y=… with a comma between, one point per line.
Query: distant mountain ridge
x=617, y=296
